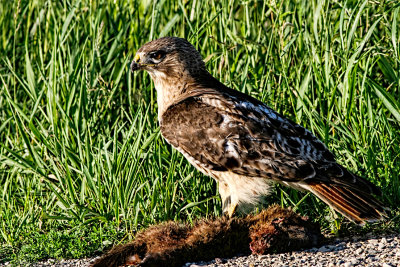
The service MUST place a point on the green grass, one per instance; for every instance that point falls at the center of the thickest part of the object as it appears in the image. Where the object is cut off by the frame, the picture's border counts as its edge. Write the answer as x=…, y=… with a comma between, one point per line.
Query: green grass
x=82, y=162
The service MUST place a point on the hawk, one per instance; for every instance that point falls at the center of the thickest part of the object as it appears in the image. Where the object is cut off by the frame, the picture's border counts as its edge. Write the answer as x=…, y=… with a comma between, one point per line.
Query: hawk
x=241, y=142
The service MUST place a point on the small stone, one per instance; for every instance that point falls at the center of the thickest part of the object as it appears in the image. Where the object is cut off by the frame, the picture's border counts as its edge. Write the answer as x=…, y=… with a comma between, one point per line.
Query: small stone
x=323, y=249
x=383, y=240
x=359, y=251
x=219, y=261
x=373, y=241
x=381, y=246
x=327, y=248
x=386, y=265
x=348, y=264
x=332, y=247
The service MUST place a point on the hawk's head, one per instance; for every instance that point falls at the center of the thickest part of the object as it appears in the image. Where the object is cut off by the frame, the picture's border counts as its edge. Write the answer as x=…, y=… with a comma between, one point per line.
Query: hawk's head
x=168, y=57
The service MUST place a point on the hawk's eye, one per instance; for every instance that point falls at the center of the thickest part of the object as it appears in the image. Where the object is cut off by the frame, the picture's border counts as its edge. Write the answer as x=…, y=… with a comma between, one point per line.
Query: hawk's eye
x=157, y=55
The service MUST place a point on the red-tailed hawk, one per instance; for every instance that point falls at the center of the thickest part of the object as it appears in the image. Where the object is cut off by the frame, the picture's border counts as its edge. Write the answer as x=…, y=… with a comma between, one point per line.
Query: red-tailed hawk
x=240, y=141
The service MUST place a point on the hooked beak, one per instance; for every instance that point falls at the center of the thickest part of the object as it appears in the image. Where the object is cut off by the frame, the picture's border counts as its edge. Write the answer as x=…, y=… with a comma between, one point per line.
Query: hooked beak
x=135, y=65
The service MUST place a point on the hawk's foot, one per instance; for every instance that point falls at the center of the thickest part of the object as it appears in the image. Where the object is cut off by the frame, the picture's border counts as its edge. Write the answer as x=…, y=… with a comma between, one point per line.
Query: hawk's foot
x=232, y=209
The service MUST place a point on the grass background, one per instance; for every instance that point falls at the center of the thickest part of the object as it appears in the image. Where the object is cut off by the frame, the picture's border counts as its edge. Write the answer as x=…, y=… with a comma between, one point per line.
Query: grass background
x=82, y=162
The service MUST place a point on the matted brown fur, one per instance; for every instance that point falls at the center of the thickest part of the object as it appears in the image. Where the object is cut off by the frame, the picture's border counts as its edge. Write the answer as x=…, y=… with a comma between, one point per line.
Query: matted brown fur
x=172, y=244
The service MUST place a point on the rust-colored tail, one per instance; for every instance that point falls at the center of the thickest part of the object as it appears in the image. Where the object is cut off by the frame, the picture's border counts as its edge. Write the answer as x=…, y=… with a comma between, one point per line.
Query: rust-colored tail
x=355, y=204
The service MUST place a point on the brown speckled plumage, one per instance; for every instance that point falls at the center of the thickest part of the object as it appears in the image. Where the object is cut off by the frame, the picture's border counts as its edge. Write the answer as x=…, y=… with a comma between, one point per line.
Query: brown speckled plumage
x=240, y=141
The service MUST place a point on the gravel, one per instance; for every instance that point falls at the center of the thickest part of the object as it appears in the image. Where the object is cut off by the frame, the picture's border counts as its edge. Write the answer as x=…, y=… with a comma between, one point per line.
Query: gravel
x=355, y=251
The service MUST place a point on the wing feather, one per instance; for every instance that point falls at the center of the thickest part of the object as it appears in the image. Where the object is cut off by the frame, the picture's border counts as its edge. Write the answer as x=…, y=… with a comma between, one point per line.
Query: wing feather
x=224, y=137
x=234, y=132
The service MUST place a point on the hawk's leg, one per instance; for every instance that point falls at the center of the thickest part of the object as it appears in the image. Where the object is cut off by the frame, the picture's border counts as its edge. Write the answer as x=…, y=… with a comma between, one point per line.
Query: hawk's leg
x=229, y=202
x=228, y=207
x=232, y=209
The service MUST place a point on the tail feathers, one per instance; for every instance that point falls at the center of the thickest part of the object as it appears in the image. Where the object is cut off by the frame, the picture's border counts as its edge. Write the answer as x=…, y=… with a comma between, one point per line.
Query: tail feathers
x=352, y=203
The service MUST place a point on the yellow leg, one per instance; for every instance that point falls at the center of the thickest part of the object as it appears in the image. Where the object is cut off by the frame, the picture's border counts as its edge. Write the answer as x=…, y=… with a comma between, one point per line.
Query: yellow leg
x=229, y=201
x=232, y=209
